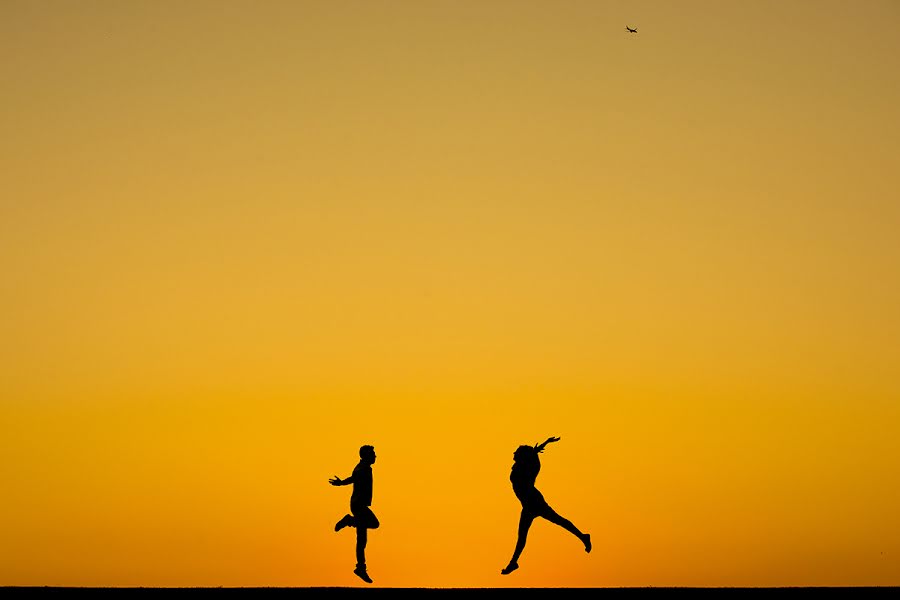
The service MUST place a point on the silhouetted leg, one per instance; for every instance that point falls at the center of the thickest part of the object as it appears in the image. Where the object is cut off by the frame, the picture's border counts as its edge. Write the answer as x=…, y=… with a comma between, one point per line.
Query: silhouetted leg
x=525, y=521
x=346, y=521
x=552, y=516
x=362, y=536
x=363, y=519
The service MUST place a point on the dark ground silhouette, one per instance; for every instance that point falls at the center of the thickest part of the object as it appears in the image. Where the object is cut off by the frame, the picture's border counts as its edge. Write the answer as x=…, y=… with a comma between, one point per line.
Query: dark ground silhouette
x=584, y=592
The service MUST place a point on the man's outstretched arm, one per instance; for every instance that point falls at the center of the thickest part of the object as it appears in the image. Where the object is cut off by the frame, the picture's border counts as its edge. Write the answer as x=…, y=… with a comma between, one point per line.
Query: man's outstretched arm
x=338, y=481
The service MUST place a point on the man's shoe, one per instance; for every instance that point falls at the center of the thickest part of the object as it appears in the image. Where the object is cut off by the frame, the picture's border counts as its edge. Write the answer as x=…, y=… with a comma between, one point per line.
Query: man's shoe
x=509, y=568
x=345, y=521
x=361, y=573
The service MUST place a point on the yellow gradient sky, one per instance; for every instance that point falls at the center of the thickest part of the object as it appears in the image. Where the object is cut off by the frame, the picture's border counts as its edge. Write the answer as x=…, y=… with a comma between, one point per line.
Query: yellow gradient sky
x=239, y=239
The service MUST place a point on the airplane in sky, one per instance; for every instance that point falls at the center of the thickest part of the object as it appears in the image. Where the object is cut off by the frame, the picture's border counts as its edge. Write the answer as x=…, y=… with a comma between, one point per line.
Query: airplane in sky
x=630, y=30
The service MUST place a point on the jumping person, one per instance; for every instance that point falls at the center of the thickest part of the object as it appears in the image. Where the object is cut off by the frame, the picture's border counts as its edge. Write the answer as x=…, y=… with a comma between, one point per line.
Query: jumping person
x=361, y=517
x=525, y=469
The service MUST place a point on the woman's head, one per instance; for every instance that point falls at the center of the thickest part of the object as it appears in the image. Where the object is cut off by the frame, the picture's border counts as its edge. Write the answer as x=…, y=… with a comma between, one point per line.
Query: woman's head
x=525, y=454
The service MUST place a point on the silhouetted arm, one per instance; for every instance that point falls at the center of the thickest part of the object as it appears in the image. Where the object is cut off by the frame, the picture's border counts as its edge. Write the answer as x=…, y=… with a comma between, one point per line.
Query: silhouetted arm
x=540, y=447
x=338, y=481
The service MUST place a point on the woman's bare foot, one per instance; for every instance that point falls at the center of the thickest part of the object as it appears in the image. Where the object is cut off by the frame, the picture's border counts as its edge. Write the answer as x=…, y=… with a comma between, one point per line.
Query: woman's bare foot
x=510, y=568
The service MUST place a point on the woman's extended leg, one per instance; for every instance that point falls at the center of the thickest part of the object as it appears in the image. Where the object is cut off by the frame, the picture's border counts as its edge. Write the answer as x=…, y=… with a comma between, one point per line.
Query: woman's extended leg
x=552, y=516
x=525, y=521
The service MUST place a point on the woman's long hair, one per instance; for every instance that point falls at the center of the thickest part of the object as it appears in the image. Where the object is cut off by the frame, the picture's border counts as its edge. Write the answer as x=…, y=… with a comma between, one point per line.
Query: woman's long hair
x=526, y=458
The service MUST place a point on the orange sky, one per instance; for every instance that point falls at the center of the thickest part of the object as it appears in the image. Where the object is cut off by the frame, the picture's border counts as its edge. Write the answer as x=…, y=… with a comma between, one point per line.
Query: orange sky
x=241, y=239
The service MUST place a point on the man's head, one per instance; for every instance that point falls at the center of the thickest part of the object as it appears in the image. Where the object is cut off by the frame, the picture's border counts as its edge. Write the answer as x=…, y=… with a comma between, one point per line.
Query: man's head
x=367, y=454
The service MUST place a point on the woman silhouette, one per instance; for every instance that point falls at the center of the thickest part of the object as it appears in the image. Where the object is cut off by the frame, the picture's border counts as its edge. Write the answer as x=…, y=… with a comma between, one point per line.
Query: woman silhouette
x=525, y=469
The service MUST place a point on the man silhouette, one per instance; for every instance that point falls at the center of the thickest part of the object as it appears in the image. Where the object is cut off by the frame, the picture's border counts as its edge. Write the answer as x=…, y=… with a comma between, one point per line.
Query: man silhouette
x=361, y=517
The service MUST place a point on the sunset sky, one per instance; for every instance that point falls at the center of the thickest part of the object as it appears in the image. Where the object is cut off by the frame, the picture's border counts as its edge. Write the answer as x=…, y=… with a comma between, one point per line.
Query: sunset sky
x=240, y=239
